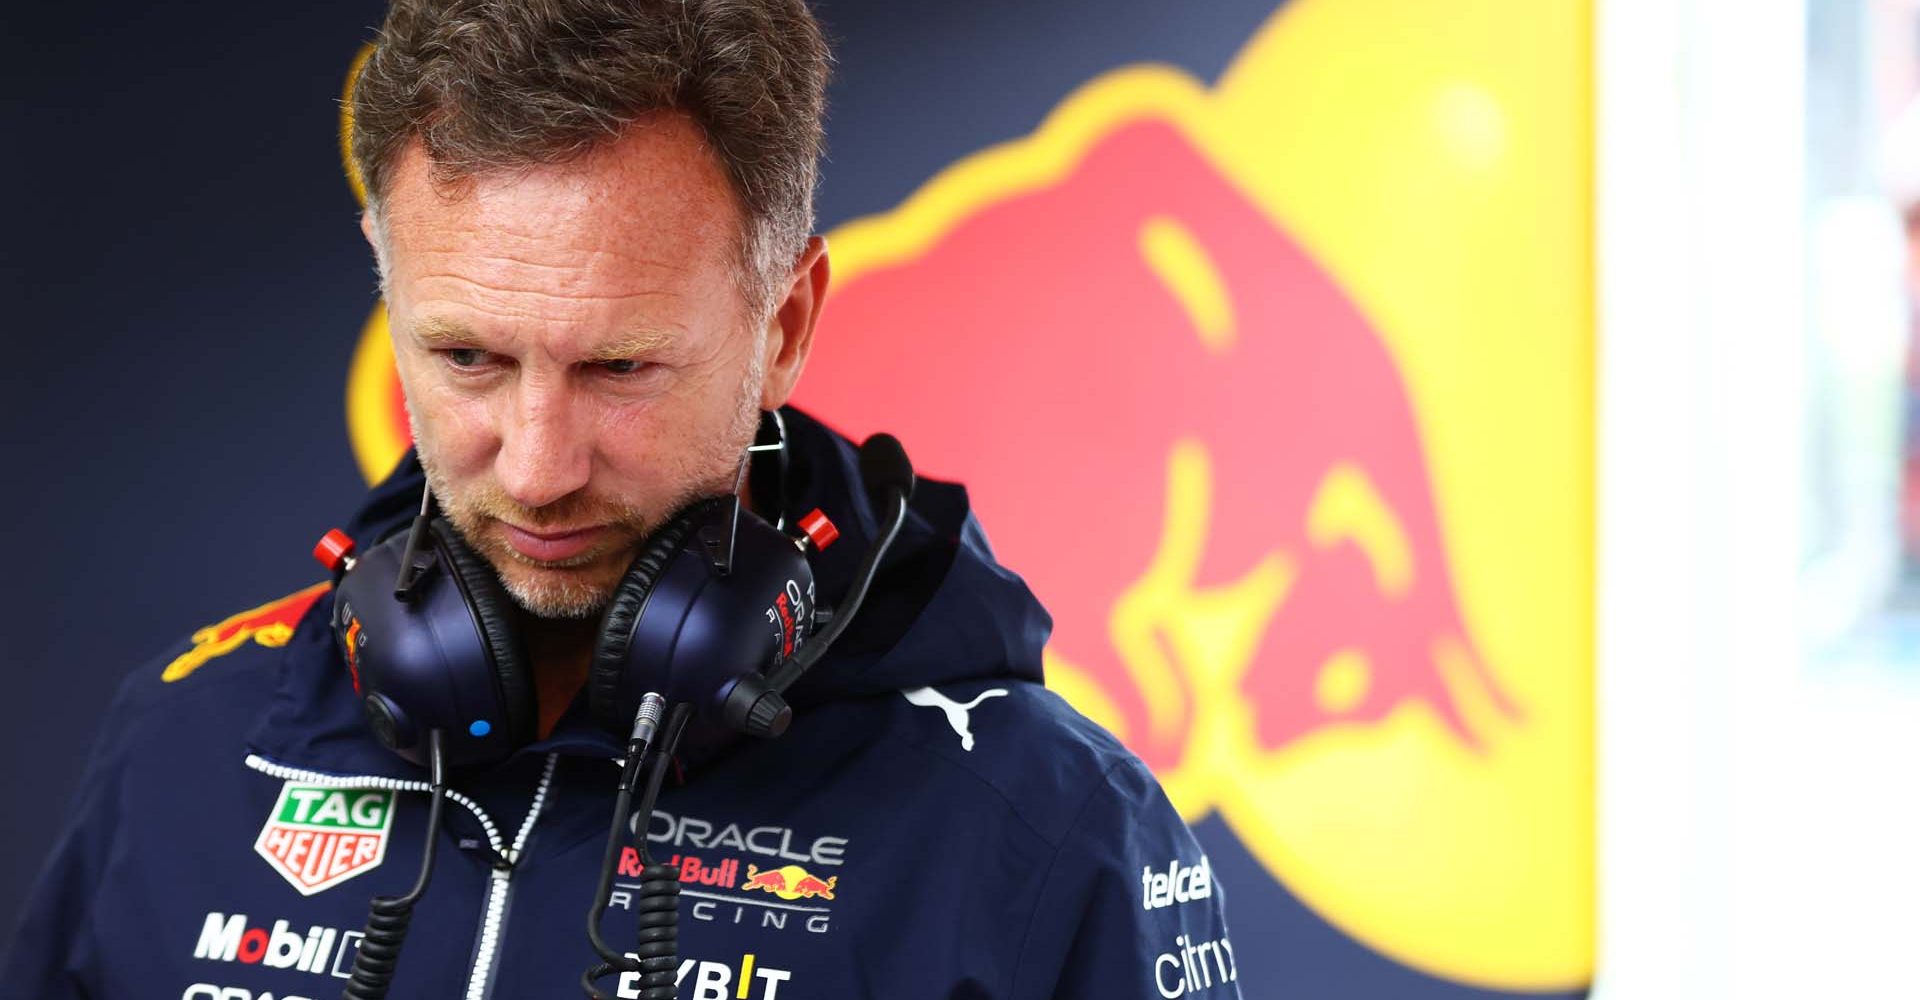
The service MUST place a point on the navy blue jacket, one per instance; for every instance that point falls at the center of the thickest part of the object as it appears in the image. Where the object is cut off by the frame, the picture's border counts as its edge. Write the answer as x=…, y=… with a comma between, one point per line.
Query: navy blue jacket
x=935, y=823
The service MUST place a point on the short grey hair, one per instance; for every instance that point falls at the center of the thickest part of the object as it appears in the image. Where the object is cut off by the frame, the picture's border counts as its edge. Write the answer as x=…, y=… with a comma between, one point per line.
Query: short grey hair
x=492, y=84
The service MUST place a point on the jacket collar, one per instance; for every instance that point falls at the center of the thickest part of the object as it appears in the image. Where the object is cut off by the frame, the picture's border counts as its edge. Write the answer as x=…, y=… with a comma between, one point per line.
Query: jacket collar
x=988, y=623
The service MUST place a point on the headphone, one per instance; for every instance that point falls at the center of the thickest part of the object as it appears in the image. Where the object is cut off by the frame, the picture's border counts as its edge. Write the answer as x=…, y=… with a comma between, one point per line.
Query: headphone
x=717, y=610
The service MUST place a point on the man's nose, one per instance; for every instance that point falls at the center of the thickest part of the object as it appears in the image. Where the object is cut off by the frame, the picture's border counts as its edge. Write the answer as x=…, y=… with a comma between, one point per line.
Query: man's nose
x=545, y=453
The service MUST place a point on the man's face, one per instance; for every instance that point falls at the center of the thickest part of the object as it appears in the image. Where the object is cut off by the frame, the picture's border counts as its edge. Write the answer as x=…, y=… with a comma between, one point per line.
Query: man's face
x=577, y=355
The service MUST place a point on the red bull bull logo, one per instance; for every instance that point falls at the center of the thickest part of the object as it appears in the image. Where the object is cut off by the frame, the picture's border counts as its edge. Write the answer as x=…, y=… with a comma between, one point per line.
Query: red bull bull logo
x=1284, y=469
x=1278, y=393
x=790, y=882
x=270, y=624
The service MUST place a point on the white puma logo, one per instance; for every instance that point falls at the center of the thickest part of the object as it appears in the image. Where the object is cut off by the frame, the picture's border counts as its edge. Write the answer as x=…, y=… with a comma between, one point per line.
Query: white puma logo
x=956, y=713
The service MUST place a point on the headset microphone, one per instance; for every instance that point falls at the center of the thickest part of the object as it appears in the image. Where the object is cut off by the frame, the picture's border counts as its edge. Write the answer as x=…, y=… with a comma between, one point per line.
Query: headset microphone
x=884, y=467
x=756, y=704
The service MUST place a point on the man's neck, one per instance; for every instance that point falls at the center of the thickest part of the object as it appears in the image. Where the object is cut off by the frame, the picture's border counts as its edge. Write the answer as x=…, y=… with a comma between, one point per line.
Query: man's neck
x=560, y=652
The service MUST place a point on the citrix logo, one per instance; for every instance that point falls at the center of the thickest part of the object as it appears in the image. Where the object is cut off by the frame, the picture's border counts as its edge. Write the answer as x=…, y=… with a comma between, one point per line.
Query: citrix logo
x=226, y=938
x=1186, y=970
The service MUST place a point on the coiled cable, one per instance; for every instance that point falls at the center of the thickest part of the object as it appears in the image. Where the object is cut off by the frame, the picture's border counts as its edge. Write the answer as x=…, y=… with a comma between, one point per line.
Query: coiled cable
x=388, y=916
x=657, y=900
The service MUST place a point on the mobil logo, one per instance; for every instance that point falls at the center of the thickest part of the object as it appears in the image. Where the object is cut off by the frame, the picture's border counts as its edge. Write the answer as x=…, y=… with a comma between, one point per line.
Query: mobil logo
x=278, y=945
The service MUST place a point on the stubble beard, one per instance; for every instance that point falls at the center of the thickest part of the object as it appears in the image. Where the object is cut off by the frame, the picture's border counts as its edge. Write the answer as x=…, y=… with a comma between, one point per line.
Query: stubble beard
x=581, y=586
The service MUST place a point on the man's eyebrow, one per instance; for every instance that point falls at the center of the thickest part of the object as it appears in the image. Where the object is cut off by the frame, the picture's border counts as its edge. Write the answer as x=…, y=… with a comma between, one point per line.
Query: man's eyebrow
x=632, y=345
x=434, y=332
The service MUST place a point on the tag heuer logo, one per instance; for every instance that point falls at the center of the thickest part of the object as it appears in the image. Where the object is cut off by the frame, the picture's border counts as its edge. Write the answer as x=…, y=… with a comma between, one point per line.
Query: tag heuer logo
x=318, y=837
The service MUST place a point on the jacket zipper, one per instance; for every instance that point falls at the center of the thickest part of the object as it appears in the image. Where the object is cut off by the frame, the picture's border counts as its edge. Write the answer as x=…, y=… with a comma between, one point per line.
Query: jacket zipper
x=480, y=984
x=500, y=879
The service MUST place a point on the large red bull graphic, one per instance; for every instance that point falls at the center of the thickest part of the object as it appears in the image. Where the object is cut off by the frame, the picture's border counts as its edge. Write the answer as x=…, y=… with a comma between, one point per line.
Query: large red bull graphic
x=1218, y=417
x=1278, y=392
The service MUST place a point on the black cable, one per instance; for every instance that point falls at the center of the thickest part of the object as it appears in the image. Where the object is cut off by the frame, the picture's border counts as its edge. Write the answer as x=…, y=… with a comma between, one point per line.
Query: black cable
x=783, y=676
x=603, y=889
x=862, y=581
x=657, y=901
x=388, y=916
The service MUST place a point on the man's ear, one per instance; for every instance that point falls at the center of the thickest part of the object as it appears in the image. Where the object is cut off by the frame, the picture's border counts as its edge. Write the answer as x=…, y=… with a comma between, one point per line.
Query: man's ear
x=790, y=326
x=370, y=230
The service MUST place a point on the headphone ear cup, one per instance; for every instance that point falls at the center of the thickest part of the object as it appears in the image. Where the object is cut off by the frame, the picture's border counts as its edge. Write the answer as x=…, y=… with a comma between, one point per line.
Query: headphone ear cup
x=607, y=675
x=494, y=610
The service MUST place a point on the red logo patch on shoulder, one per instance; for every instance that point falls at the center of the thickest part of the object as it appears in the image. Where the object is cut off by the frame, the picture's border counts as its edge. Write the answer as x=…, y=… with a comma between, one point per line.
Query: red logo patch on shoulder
x=270, y=624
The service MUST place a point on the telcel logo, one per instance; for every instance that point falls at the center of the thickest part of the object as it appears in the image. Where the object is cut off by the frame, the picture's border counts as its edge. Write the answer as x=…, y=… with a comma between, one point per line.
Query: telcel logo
x=1178, y=884
x=226, y=938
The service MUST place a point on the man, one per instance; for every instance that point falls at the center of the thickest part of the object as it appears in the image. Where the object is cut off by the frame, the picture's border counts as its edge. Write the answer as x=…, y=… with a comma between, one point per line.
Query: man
x=591, y=220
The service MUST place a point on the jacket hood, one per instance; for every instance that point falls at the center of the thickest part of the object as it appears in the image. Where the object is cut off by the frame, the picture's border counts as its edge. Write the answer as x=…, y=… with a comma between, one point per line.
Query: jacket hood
x=941, y=610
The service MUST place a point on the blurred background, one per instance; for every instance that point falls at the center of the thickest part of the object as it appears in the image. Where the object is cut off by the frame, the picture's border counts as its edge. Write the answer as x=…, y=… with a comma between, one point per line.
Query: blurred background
x=1471, y=449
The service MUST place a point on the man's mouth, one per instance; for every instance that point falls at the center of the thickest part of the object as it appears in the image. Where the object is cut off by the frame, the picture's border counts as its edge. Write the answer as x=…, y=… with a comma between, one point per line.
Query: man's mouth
x=549, y=546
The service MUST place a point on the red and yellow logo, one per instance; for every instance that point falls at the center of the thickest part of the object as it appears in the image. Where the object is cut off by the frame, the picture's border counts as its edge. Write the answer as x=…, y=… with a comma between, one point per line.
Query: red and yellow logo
x=790, y=882
x=1279, y=393
x=270, y=624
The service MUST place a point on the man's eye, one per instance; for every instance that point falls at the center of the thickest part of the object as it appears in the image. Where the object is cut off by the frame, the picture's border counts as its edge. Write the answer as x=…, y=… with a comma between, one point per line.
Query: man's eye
x=622, y=366
x=466, y=357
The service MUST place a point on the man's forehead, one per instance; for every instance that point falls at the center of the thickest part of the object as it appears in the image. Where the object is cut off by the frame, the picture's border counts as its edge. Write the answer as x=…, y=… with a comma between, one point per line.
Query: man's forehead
x=656, y=192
